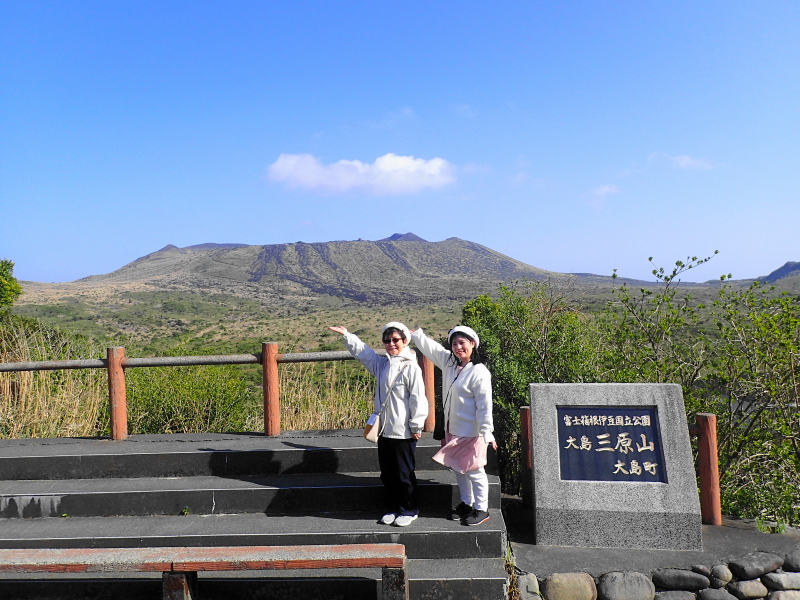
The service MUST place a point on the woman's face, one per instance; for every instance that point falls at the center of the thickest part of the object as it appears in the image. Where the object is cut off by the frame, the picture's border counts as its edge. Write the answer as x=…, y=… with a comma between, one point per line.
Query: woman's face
x=462, y=347
x=395, y=344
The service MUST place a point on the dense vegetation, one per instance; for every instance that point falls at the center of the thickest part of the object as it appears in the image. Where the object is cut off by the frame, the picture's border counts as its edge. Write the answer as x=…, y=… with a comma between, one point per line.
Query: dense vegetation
x=738, y=357
x=736, y=354
x=10, y=288
x=67, y=403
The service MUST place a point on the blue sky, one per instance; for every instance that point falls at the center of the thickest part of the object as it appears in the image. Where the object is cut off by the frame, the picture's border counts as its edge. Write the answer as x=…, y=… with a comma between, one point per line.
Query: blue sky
x=574, y=136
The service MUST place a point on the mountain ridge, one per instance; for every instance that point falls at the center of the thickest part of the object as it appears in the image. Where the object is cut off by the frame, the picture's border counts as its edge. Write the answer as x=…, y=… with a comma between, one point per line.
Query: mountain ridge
x=361, y=269
x=209, y=292
x=403, y=266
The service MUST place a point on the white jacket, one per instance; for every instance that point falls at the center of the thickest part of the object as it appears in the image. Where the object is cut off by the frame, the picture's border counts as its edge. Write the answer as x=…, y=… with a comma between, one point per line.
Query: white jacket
x=467, y=396
x=407, y=405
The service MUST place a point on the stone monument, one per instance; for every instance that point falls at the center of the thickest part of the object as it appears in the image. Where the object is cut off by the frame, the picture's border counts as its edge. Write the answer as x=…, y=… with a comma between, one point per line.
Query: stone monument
x=612, y=467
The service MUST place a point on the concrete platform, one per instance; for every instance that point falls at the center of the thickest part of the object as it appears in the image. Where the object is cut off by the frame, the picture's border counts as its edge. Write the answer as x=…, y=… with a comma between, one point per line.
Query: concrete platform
x=237, y=490
x=307, y=493
x=199, y=454
x=431, y=536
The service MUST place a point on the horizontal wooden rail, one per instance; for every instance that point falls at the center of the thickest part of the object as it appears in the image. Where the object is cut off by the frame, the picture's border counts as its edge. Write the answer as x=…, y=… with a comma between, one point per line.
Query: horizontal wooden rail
x=176, y=361
x=53, y=365
x=116, y=363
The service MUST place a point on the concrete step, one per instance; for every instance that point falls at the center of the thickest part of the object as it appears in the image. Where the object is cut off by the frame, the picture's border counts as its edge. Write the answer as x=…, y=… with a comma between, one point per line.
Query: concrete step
x=188, y=455
x=300, y=493
x=432, y=536
x=429, y=579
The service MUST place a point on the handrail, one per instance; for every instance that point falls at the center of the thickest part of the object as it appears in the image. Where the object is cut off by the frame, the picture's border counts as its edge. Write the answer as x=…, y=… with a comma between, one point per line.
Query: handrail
x=116, y=363
x=176, y=361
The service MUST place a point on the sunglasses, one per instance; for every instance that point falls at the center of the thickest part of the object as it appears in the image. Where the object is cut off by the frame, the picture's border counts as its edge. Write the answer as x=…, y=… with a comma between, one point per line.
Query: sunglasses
x=394, y=340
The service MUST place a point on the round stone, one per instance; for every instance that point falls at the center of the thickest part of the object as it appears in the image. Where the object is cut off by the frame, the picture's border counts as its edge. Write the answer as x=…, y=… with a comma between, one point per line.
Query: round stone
x=782, y=581
x=755, y=565
x=792, y=562
x=746, y=590
x=677, y=595
x=625, y=585
x=785, y=595
x=720, y=576
x=528, y=586
x=715, y=594
x=569, y=586
x=679, y=579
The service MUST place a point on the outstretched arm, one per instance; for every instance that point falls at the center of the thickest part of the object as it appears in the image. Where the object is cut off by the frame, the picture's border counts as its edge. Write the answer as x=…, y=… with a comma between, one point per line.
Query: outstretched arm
x=433, y=350
x=359, y=350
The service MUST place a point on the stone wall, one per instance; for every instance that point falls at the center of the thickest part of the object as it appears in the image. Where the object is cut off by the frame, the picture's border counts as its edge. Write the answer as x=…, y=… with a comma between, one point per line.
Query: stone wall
x=755, y=576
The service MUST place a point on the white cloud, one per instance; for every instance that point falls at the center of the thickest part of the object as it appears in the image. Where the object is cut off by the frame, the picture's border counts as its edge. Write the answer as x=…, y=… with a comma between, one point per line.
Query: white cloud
x=605, y=190
x=465, y=110
x=684, y=161
x=687, y=162
x=394, y=118
x=599, y=197
x=388, y=175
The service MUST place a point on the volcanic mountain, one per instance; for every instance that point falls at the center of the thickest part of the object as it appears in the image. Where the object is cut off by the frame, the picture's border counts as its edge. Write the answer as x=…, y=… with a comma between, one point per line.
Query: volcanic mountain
x=403, y=267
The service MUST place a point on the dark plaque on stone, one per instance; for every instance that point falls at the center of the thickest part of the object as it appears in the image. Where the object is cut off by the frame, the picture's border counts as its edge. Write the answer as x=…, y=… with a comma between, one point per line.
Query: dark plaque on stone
x=612, y=467
x=617, y=443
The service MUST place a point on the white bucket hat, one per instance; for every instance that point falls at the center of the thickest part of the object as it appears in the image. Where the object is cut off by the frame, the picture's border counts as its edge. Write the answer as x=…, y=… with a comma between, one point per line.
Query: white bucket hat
x=468, y=331
x=397, y=325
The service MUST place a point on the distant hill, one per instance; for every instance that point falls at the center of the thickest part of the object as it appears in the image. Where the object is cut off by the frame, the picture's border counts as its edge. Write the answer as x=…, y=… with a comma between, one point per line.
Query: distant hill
x=403, y=237
x=400, y=268
x=790, y=269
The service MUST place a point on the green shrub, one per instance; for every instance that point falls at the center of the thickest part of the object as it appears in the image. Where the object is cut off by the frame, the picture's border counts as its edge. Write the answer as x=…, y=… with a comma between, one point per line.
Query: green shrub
x=191, y=399
x=532, y=333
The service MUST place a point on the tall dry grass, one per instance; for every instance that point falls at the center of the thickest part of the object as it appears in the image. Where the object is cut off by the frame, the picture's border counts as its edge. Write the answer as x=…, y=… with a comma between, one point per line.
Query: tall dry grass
x=74, y=403
x=329, y=395
x=69, y=403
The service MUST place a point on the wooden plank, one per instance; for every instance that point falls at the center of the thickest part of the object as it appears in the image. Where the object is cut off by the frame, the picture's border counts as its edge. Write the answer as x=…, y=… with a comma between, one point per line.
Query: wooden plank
x=90, y=560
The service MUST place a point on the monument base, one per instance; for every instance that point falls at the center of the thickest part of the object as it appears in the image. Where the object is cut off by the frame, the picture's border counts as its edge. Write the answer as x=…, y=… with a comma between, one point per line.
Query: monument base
x=612, y=467
x=613, y=529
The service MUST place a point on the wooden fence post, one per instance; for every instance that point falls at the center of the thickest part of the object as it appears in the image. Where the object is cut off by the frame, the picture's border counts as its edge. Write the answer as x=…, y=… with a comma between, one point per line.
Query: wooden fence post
x=272, y=397
x=708, y=465
x=117, y=401
x=430, y=392
x=526, y=461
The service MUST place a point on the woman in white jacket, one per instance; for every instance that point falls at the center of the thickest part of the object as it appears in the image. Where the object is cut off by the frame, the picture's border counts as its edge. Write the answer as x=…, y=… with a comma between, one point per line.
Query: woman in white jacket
x=400, y=400
x=467, y=397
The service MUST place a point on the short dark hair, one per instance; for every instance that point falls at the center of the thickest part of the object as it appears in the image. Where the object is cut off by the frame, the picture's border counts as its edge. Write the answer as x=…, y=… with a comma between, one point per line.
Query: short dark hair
x=387, y=334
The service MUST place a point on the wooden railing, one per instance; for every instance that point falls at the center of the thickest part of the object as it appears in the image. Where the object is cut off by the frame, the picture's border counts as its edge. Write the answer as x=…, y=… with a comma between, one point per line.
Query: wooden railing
x=269, y=358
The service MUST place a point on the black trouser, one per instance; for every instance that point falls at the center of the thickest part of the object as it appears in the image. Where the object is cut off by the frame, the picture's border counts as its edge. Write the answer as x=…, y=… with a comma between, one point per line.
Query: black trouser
x=396, y=458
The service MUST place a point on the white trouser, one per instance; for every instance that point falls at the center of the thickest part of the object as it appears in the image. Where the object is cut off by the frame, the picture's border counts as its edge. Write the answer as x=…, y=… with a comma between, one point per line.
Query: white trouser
x=474, y=488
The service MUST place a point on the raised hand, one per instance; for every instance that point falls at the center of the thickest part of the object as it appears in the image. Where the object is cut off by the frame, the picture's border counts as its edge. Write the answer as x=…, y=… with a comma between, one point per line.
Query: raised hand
x=339, y=329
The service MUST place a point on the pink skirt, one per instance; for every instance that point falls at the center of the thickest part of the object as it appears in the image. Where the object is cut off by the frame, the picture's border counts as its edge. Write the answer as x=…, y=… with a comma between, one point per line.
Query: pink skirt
x=462, y=454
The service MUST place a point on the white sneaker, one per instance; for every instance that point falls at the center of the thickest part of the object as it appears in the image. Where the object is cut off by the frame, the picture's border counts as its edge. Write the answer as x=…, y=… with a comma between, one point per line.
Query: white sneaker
x=388, y=518
x=405, y=520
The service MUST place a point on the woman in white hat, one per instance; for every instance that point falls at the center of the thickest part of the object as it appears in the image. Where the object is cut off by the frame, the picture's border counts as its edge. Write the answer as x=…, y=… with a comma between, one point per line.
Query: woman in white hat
x=467, y=397
x=401, y=403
